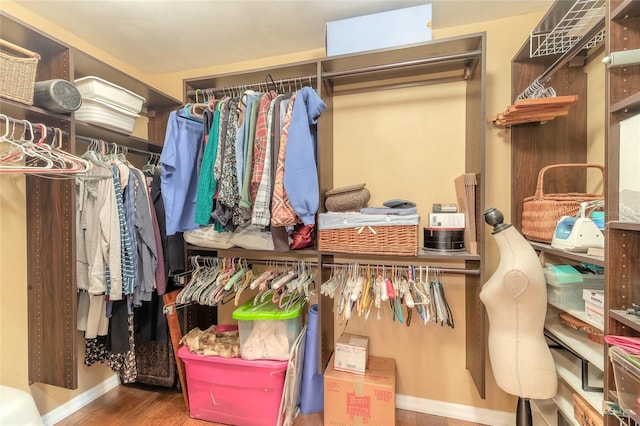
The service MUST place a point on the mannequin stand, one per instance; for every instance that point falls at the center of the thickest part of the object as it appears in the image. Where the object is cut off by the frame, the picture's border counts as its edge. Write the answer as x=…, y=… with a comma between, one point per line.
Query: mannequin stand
x=523, y=413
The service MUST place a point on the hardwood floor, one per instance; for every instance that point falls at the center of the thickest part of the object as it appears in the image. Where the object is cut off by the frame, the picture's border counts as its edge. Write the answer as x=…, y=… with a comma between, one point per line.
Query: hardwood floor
x=139, y=405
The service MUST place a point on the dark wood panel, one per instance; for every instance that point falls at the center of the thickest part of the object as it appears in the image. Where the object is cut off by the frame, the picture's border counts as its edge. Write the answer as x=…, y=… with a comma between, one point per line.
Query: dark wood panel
x=625, y=81
x=51, y=277
x=325, y=318
x=157, y=127
x=560, y=141
x=623, y=261
x=624, y=9
x=475, y=327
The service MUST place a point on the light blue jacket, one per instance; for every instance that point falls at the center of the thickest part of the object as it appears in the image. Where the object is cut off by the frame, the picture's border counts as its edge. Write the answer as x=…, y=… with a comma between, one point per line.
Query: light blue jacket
x=300, y=170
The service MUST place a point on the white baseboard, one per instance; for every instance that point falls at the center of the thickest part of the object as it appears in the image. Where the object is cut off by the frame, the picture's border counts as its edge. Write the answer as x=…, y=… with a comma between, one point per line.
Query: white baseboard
x=455, y=411
x=74, y=404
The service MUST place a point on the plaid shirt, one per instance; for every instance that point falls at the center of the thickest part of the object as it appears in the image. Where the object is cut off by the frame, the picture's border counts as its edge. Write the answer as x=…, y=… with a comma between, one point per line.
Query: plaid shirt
x=261, y=142
x=261, y=215
x=282, y=213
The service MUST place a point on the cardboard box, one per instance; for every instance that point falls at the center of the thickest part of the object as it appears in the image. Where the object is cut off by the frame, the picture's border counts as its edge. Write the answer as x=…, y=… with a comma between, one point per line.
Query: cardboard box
x=399, y=27
x=446, y=220
x=369, y=399
x=594, y=305
x=351, y=353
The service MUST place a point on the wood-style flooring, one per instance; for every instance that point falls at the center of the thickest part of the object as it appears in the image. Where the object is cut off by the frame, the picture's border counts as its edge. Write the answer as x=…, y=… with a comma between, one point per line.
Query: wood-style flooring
x=139, y=405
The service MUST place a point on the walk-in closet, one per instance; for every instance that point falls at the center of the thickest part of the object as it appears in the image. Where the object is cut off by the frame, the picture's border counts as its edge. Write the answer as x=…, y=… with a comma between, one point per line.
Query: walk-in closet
x=377, y=212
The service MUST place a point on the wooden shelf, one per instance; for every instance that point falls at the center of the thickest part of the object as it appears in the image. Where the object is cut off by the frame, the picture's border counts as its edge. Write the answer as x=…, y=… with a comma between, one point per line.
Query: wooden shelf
x=29, y=112
x=112, y=136
x=450, y=57
x=626, y=9
x=86, y=65
x=544, y=410
x=630, y=320
x=569, y=370
x=625, y=226
x=576, y=340
x=580, y=257
x=581, y=315
x=627, y=105
x=306, y=254
x=564, y=401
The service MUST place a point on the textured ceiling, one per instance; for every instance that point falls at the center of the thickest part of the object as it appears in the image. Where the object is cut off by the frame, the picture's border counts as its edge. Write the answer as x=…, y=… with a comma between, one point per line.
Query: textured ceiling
x=163, y=36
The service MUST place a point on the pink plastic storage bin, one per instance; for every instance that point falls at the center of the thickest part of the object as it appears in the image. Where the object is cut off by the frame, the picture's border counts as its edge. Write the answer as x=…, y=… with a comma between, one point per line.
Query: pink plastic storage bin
x=234, y=391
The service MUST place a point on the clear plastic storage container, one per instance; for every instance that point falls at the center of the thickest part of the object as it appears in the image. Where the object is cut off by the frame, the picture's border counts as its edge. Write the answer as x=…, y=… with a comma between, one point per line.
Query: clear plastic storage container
x=627, y=376
x=564, y=288
x=267, y=332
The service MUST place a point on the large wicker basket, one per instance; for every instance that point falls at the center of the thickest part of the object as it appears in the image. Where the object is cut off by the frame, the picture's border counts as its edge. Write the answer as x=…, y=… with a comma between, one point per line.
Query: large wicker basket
x=17, y=75
x=371, y=236
x=541, y=212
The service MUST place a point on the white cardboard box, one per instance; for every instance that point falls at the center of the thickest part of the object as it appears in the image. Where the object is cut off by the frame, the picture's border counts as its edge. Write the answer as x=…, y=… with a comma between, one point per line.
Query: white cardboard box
x=351, y=353
x=398, y=27
x=594, y=305
x=446, y=220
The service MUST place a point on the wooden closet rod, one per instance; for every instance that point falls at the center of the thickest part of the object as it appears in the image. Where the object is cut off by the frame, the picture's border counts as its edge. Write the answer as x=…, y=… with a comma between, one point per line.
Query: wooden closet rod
x=443, y=270
x=259, y=85
x=461, y=271
x=416, y=63
x=355, y=71
x=128, y=149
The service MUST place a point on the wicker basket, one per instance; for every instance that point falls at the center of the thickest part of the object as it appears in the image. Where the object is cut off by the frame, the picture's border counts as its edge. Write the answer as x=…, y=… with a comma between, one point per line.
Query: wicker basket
x=349, y=198
x=17, y=75
x=541, y=212
x=395, y=240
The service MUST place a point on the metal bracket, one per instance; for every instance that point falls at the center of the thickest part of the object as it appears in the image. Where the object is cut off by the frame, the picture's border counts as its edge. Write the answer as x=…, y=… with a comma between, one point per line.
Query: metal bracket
x=584, y=363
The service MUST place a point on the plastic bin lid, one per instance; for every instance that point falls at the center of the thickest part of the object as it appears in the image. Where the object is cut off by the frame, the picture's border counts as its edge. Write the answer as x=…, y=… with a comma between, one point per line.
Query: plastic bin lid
x=266, y=310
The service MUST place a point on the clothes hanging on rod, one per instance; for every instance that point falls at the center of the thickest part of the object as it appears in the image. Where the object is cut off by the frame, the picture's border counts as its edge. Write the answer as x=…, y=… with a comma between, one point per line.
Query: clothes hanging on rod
x=120, y=260
x=251, y=167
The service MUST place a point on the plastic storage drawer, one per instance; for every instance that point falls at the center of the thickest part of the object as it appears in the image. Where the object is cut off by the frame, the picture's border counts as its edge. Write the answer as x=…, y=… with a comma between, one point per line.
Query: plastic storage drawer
x=233, y=391
x=96, y=88
x=565, y=292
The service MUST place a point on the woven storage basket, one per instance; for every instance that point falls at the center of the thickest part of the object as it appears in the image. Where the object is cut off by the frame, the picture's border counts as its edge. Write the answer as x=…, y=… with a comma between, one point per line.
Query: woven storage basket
x=17, y=75
x=541, y=212
x=373, y=238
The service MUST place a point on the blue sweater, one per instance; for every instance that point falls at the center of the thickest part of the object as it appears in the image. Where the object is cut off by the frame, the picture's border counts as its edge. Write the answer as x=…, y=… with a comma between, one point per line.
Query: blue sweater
x=300, y=171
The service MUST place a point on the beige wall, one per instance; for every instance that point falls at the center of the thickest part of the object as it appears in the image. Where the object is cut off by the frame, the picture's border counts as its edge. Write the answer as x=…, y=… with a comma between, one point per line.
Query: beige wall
x=406, y=162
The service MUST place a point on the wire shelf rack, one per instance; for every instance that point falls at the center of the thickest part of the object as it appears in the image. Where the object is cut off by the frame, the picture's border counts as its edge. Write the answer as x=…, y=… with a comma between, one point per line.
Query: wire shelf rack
x=560, y=32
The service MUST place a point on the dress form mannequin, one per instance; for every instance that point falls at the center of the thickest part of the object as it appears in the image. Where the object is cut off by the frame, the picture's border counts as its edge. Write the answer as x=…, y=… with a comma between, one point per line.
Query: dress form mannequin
x=515, y=297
